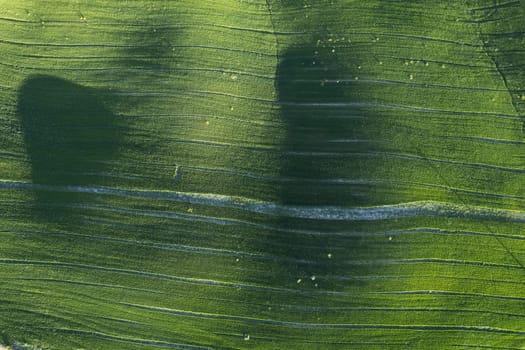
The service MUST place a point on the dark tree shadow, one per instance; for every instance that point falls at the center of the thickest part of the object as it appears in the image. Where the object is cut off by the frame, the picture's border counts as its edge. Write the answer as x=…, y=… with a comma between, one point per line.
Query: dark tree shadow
x=325, y=130
x=70, y=132
x=70, y=135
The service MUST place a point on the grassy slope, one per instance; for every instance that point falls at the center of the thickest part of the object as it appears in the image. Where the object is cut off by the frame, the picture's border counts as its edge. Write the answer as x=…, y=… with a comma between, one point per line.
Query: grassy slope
x=300, y=103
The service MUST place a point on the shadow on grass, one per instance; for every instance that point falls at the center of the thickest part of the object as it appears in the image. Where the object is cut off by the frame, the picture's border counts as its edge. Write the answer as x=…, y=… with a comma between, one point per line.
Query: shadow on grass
x=70, y=132
x=326, y=134
x=324, y=128
x=70, y=135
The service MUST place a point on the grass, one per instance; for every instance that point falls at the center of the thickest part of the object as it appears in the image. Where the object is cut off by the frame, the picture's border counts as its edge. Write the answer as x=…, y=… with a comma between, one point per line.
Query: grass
x=157, y=157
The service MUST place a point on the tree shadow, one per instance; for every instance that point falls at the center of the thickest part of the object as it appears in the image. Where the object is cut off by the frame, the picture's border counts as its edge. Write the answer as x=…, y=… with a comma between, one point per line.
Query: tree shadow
x=321, y=166
x=70, y=136
x=324, y=128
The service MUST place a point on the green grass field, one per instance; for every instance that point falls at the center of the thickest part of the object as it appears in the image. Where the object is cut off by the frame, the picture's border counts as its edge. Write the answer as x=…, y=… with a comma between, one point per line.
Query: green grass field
x=248, y=174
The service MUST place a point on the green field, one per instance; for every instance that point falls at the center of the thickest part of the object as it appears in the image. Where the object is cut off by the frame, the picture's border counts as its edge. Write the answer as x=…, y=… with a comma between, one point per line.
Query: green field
x=262, y=174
